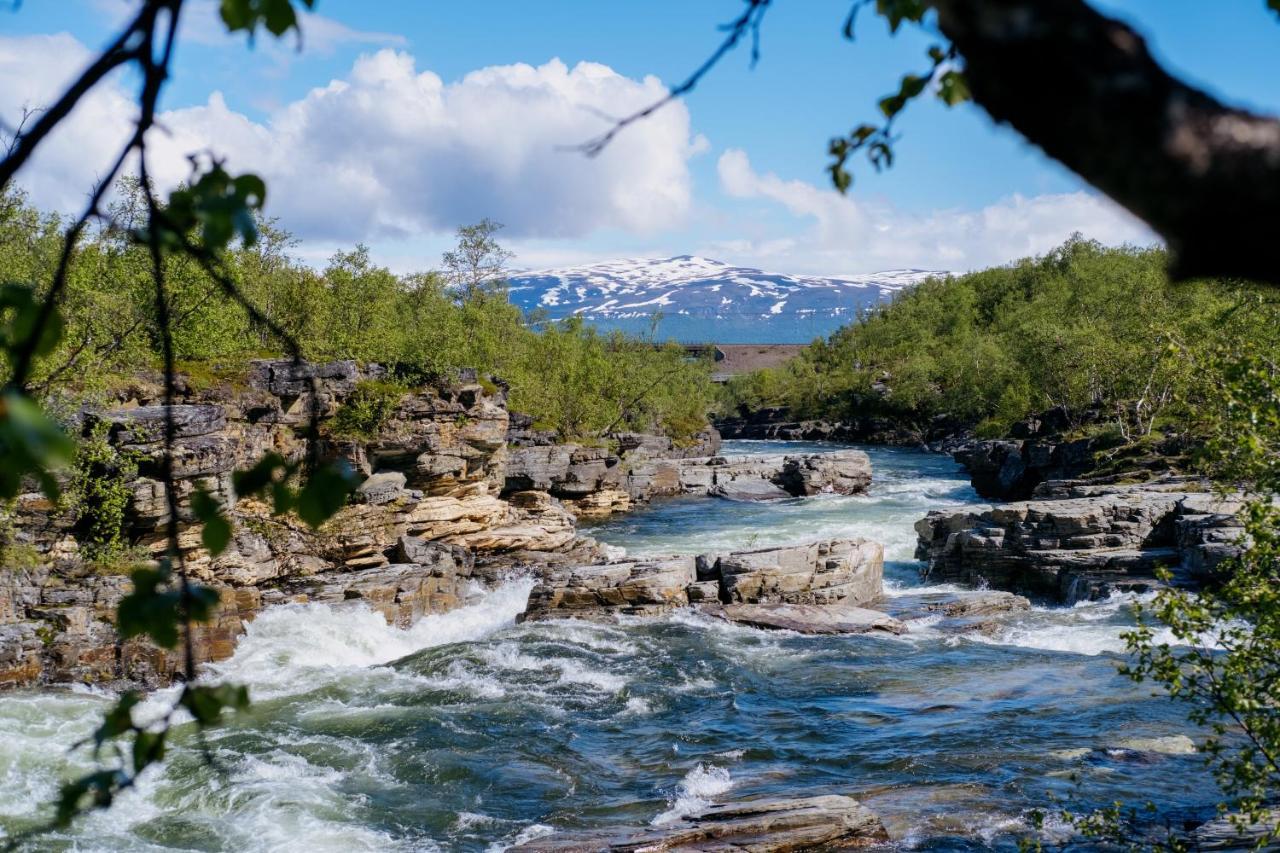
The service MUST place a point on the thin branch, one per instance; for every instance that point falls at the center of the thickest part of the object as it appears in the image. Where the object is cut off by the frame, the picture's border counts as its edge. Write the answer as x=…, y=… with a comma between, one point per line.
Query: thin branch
x=117, y=54
x=747, y=22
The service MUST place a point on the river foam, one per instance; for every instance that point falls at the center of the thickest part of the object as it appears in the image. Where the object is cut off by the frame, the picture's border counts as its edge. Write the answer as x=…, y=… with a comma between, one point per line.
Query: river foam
x=467, y=731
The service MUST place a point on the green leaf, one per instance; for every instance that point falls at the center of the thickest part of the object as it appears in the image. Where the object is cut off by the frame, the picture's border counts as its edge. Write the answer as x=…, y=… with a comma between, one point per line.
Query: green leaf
x=262, y=474
x=216, y=534
x=217, y=205
x=206, y=703
x=277, y=16
x=326, y=492
x=953, y=88
x=95, y=790
x=150, y=609
x=118, y=719
x=31, y=444
x=148, y=749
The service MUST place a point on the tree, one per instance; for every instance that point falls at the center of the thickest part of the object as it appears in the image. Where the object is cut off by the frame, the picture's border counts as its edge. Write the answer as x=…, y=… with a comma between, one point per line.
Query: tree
x=477, y=266
x=1086, y=90
x=194, y=225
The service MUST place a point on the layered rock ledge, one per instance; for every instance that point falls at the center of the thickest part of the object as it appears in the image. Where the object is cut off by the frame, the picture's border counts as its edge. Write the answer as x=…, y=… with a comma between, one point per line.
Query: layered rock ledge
x=830, y=822
x=443, y=504
x=594, y=481
x=1078, y=541
x=848, y=572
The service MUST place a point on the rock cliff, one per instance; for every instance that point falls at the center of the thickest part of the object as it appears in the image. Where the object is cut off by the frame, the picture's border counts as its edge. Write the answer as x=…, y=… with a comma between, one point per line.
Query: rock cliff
x=455, y=491
x=446, y=500
x=1077, y=541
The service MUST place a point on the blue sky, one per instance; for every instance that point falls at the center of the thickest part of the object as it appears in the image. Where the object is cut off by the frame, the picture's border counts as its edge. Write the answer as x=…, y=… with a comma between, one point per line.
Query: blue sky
x=441, y=113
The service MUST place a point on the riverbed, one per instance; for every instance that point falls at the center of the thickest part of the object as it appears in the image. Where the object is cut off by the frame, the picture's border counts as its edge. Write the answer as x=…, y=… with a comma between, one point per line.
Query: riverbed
x=469, y=732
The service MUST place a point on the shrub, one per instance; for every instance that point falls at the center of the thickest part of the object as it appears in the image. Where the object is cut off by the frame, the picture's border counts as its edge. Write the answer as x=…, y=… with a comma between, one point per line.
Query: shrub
x=370, y=406
x=99, y=494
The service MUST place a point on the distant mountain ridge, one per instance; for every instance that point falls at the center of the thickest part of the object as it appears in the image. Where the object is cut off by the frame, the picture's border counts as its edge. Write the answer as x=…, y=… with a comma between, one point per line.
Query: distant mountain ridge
x=701, y=299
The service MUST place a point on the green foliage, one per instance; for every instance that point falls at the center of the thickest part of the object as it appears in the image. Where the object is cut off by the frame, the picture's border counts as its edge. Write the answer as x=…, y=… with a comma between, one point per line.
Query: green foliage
x=1227, y=635
x=159, y=603
x=368, y=409
x=946, y=81
x=1100, y=332
x=99, y=494
x=569, y=377
x=277, y=16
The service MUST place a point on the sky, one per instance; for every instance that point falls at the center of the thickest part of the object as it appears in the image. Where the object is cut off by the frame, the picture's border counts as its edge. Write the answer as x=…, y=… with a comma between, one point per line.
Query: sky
x=395, y=121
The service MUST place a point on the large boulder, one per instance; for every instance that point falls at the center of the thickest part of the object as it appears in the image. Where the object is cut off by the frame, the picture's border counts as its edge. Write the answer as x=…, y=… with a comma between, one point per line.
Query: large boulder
x=830, y=822
x=840, y=570
x=844, y=472
x=646, y=587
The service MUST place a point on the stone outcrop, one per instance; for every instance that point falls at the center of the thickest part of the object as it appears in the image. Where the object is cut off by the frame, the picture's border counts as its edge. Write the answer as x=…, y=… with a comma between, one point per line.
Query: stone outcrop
x=807, y=618
x=849, y=572
x=443, y=501
x=1011, y=470
x=830, y=822
x=593, y=481
x=1083, y=541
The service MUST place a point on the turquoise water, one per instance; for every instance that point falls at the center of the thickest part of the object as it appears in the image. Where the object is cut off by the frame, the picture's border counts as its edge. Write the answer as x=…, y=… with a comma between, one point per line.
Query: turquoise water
x=468, y=732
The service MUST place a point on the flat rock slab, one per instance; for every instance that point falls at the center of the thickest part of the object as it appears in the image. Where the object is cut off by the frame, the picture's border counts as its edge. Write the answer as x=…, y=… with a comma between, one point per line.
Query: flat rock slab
x=808, y=618
x=749, y=489
x=829, y=822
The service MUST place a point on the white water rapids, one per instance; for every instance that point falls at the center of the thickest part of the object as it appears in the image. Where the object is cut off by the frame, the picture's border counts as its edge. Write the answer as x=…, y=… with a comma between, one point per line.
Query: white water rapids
x=468, y=732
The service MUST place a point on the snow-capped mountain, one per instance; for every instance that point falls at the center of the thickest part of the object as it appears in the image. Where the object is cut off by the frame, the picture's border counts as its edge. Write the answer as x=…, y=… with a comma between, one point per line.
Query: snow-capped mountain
x=700, y=299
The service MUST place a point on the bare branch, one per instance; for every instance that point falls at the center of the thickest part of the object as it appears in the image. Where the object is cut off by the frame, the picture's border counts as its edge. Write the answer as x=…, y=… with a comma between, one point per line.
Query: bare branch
x=1085, y=89
x=746, y=23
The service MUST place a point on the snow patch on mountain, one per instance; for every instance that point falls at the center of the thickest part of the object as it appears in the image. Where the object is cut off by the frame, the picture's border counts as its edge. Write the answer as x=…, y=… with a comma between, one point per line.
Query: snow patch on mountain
x=704, y=299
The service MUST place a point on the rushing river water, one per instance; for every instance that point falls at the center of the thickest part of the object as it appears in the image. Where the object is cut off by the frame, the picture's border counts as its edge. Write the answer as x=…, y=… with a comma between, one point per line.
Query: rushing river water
x=468, y=732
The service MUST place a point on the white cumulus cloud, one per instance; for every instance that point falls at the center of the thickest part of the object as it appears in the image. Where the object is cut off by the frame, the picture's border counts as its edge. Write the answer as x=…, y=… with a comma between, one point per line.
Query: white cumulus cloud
x=390, y=151
x=853, y=234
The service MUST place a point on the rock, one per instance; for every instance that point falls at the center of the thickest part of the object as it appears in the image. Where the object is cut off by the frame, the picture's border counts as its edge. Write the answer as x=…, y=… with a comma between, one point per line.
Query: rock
x=1234, y=831
x=381, y=488
x=647, y=587
x=1012, y=470
x=808, y=618
x=1084, y=546
x=146, y=424
x=981, y=604
x=830, y=822
x=1168, y=745
x=537, y=468
x=750, y=490
x=844, y=570
x=845, y=472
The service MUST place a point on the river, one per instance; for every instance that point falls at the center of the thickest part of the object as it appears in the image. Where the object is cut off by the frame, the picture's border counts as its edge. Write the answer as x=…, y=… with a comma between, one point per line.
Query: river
x=468, y=732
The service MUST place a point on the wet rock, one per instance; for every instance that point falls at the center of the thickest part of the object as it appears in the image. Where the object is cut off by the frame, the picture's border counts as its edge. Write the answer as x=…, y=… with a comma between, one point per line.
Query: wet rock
x=1233, y=831
x=646, y=587
x=808, y=618
x=829, y=822
x=846, y=472
x=1083, y=546
x=750, y=490
x=841, y=570
x=981, y=604
x=845, y=571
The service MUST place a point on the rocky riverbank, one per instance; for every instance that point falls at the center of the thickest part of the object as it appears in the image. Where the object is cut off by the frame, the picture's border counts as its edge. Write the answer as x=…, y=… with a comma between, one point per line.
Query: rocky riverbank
x=1077, y=541
x=455, y=492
